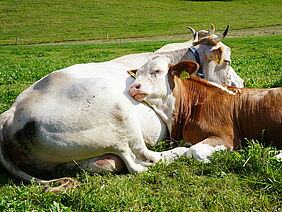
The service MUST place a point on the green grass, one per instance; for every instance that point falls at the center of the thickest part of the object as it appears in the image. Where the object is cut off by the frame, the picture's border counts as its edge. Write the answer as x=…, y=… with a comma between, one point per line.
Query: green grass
x=29, y=21
x=258, y=61
x=245, y=180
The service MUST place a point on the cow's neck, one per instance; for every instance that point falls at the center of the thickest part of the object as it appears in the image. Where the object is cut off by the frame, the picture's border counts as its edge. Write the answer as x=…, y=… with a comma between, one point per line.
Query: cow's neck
x=208, y=66
x=200, y=103
x=185, y=100
x=164, y=108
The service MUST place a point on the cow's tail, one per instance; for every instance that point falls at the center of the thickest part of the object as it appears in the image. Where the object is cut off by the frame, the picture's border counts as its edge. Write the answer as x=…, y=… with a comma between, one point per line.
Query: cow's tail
x=64, y=183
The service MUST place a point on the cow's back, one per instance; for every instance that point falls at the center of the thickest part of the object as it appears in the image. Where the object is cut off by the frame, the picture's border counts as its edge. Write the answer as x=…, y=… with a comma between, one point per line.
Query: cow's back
x=259, y=115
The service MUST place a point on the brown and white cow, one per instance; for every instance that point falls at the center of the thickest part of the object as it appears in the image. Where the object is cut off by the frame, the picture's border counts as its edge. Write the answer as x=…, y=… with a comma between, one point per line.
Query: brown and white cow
x=209, y=116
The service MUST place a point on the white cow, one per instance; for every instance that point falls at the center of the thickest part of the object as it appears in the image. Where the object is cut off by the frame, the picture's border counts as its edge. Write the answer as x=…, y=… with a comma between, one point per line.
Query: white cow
x=83, y=115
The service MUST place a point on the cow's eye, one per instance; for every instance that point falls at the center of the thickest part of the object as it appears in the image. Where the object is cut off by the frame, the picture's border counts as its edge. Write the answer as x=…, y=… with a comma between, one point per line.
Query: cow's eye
x=155, y=73
x=227, y=62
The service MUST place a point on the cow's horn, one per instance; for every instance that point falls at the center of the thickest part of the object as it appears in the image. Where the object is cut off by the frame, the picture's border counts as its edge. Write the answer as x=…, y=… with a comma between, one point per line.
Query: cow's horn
x=196, y=37
x=226, y=31
x=193, y=31
x=220, y=38
x=212, y=30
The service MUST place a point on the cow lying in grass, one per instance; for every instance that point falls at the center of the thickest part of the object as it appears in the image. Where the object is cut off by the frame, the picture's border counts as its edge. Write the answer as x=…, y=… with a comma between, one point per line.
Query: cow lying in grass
x=208, y=116
x=84, y=115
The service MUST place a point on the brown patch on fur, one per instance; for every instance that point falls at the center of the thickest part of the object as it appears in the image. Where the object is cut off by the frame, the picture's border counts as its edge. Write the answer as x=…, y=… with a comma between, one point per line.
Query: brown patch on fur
x=111, y=160
x=27, y=134
x=19, y=149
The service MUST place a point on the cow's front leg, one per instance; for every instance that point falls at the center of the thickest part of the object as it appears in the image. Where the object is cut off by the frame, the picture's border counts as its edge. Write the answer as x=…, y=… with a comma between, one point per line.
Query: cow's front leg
x=132, y=163
x=171, y=155
x=279, y=156
x=204, y=149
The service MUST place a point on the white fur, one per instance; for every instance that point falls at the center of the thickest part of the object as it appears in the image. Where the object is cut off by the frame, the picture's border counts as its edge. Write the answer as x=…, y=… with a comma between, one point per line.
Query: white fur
x=279, y=156
x=84, y=111
x=222, y=88
x=175, y=46
x=165, y=110
x=156, y=87
x=202, y=152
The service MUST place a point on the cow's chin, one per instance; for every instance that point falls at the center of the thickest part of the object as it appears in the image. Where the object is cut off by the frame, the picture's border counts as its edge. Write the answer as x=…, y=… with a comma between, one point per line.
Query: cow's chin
x=140, y=97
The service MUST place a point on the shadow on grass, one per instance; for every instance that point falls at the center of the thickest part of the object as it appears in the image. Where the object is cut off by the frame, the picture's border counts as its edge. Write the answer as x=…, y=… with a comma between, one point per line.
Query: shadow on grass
x=75, y=172
x=277, y=84
x=6, y=177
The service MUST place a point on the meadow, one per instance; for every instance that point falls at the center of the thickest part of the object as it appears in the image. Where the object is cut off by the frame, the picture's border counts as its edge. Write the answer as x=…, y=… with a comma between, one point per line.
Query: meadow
x=29, y=21
x=245, y=180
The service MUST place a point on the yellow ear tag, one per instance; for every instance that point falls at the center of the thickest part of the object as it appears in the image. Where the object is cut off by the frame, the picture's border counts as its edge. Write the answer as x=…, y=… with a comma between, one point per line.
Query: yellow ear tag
x=216, y=59
x=133, y=75
x=184, y=75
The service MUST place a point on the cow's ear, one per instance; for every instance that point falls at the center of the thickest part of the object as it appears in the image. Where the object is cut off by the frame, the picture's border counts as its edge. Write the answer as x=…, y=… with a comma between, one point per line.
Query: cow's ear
x=132, y=73
x=217, y=55
x=184, y=66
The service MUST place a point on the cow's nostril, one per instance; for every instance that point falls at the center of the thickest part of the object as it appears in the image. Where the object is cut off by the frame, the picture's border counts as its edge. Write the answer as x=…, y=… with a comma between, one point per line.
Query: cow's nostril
x=137, y=86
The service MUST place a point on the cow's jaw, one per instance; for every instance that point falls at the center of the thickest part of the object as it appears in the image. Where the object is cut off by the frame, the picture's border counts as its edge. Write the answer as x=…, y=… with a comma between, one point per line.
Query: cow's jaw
x=136, y=92
x=138, y=96
x=164, y=107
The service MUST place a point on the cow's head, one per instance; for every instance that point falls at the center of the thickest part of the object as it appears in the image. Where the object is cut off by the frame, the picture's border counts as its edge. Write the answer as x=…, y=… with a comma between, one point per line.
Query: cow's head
x=215, y=57
x=154, y=80
x=215, y=50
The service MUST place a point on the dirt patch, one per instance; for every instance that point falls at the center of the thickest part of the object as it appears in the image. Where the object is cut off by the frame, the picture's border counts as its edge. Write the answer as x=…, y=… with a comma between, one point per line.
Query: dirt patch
x=272, y=30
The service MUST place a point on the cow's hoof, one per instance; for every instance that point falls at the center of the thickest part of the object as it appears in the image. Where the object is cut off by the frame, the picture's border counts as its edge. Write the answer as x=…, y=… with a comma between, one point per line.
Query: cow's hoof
x=279, y=156
x=138, y=168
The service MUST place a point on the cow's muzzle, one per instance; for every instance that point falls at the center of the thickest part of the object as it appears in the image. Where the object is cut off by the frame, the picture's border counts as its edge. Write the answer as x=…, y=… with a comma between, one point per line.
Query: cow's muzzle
x=136, y=93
